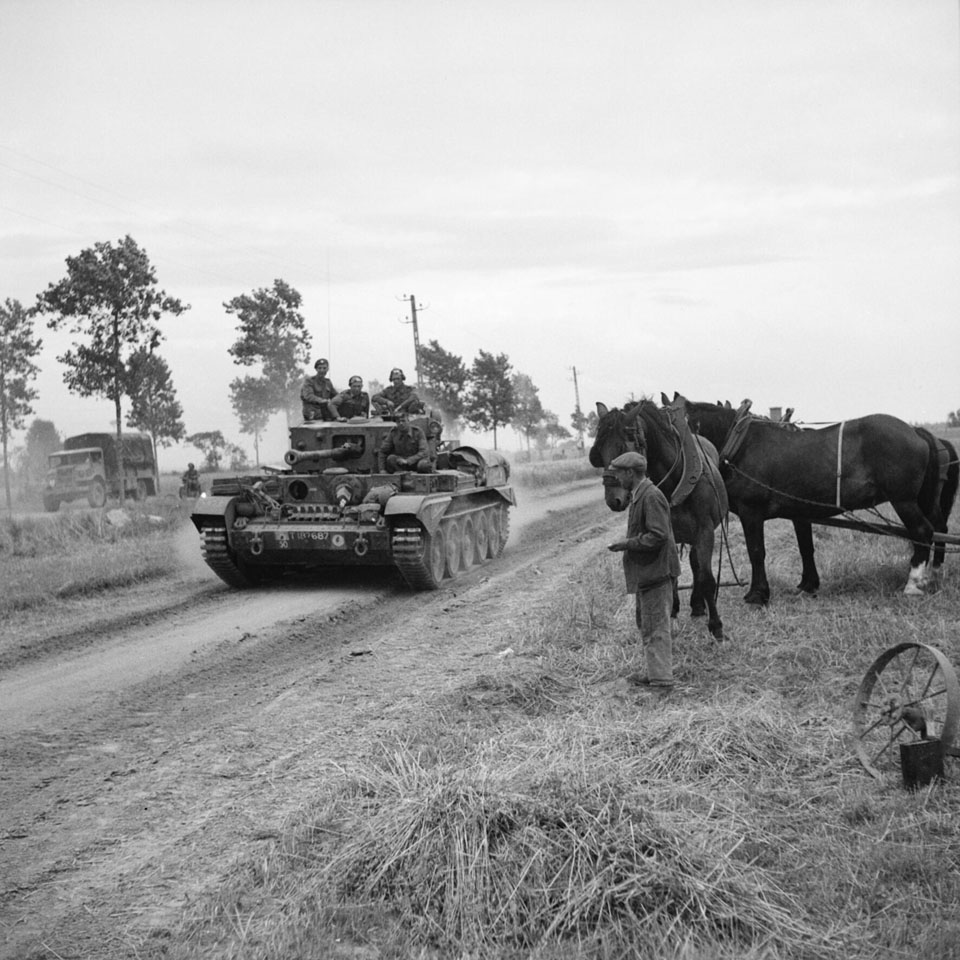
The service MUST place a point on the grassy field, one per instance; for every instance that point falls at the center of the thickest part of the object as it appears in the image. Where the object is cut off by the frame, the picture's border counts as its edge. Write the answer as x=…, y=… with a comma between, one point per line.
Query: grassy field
x=578, y=818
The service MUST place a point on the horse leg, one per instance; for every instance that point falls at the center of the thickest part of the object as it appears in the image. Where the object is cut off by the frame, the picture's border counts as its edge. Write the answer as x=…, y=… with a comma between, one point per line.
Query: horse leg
x=920, y=531
x=759, y=592
x=707, y=581
x=698, y=603
x=809, y=578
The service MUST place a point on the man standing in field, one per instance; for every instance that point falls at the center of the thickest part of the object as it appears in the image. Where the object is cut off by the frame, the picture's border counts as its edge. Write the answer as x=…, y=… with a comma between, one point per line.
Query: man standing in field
x=650, y=565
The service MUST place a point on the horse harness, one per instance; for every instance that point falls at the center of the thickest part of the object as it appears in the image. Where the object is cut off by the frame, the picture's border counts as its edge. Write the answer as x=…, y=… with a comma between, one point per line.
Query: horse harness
x=738, y=433
x=690, y=456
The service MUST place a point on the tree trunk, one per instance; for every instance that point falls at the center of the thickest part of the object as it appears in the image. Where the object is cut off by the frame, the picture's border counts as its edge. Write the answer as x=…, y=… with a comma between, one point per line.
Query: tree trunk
x=120, y=467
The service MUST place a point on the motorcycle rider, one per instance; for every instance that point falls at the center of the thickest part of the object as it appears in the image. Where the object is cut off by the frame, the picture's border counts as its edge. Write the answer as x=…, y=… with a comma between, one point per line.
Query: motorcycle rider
x=191, y=480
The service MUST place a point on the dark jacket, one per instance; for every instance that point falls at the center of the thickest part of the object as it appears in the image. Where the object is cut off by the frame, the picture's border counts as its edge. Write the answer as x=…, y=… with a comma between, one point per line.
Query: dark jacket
x=651, y=557
x=397, y=399
x=414, y=444
x=316, y=389
x=347, y=405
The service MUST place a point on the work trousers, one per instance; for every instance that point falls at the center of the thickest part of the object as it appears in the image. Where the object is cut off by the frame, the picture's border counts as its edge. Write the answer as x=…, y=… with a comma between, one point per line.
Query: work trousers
x=654, y=610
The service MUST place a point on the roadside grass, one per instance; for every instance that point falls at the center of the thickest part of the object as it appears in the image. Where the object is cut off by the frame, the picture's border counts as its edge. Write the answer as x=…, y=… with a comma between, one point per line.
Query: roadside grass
x=544, y=808
x=76, y=552
x=552, y=473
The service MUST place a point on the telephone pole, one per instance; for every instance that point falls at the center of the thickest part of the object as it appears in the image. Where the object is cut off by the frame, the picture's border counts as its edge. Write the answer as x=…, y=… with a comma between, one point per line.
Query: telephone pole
x=412, y=300
x=578, y=413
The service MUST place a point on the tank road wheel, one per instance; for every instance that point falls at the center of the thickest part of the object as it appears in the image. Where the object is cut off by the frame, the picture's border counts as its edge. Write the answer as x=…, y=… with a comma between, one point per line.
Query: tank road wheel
x=909, y=694
x=482, y=526
x=435, y=552
x=499, y=529
x=468, y=543
x=451, y=532
x=222, y=561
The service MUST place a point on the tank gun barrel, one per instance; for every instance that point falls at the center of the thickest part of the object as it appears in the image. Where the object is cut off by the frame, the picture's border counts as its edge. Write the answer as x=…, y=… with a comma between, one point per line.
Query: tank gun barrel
x=303, y=458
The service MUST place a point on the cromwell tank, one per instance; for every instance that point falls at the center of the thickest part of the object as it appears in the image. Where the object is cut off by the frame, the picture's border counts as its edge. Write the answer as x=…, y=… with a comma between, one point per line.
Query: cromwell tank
x=332, y=508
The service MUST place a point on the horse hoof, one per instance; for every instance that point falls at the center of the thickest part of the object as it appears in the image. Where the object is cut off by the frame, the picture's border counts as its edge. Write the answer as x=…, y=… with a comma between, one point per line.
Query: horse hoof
x=698, y=613
x=717, y=635
x=755, y=600
x=913, y=590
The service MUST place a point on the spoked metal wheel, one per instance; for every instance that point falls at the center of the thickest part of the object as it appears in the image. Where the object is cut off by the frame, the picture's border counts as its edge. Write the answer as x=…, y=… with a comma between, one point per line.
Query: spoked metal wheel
x=909, y=694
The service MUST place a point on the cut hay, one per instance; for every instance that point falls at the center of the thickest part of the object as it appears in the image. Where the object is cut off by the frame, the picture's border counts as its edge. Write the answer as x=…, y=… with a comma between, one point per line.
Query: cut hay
x=468, y=864
x=732, y=741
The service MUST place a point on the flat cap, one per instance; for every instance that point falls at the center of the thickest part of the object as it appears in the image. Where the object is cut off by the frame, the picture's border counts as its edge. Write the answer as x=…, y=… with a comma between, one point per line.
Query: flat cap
x=629, y=461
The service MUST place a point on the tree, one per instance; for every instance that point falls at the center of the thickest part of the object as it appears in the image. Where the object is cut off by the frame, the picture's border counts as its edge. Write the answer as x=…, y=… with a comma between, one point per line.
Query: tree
x=528, y=410
x=236, y=455
x=42, y=439
x=154, y=407
x=489, y=403
x=17, y=369
x=211, y=444
x=444, y=376
x=592, y=423
x=110, y=296
x=273, y=333
x=250, y=398
x=580, y=423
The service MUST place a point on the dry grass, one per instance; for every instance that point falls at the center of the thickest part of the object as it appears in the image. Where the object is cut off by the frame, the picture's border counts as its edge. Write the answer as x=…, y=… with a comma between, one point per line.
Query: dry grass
x=573, y=817
x=78, y=552
x=551, y=473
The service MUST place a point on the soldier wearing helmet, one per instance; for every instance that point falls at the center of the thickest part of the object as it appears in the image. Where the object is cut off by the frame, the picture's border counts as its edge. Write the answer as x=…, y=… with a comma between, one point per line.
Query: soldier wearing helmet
x=317, y=392
x=353, y=402
x=398, y=397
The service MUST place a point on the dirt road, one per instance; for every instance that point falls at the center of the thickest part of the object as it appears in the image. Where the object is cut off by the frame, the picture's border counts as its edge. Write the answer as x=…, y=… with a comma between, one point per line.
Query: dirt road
x=151, y=738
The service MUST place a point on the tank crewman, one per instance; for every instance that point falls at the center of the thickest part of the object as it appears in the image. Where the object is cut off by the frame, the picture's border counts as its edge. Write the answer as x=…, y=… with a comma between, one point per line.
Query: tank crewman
x=317, y=392
x=191, y=477
x=398, y=397
x=405, y=447
x=353, y=402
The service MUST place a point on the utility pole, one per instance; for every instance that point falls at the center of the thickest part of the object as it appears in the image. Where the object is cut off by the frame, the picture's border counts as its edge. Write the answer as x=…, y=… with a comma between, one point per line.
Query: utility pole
x=412, y=300
x=579, y=415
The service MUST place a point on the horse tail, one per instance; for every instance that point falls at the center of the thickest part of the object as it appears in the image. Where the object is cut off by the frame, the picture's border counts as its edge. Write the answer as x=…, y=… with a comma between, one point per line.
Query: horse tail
x=948, y=493
x=929, y=499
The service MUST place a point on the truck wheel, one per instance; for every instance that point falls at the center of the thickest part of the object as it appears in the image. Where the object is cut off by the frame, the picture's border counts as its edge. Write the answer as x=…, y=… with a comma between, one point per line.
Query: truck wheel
x=51, y=504
x=97, y=496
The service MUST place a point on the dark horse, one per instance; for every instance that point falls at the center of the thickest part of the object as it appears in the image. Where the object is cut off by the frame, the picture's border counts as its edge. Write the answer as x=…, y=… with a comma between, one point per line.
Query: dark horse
x=685, y=469
x=772, y=470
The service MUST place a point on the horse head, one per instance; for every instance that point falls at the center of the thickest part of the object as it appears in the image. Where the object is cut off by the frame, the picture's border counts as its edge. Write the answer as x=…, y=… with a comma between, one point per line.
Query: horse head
x=617, y=432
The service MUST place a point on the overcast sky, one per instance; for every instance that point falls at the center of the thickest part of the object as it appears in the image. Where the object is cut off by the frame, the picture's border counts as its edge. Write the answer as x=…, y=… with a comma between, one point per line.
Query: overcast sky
x=751, y=198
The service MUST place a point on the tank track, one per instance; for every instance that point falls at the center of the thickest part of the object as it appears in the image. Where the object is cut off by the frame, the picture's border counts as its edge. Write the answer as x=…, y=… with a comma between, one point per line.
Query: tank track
x=409, y=548
x=216, y=553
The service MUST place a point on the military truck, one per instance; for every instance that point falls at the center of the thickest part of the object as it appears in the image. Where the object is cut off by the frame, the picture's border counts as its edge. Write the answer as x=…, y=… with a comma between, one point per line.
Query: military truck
x=92, y=466
x=330, y=506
